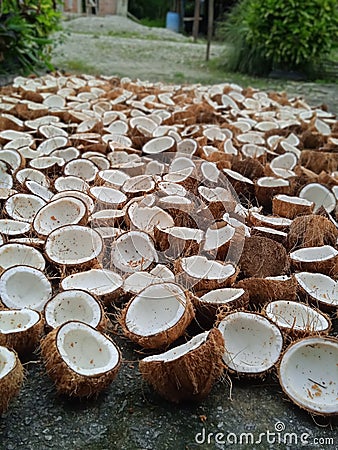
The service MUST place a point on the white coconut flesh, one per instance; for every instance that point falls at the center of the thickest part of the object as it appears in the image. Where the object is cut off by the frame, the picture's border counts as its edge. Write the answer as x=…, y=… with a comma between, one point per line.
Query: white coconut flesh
x=271, y=182
x=41, y=191
x=138, y=281
x=252, y=343
x=286, y=161
x=269, y=230
x=217, y=194
x=107, y=195
x=82, y=168
x=32, y=175
x=73, y=305
x=88, y=201
x=181, y=350
x=113, y=176
x=222, y=296
x=181, y=163
x=23, y=206
x=73, y=245
x=85, y=350
x=296, y=316
x=314, y=254
x=210, y=171
x=319, y=195
x=203, y=268
x=253, y=150
x=184, y=233
x=216, y=237
x=24, y=287
x=70, y=183
x=11, y=158
x=16, y=254
x=319, y=286
x=106, y=215
x=7, y=361
x=18, y=320
x=11, y=227
x=237, y=176
x=170, y=188
x=57, y=213
x=133, y=251
x=156, y=309
x=175, y=201
x=96, y=281
x=159, y=145
x=107, y=232
x=187, y=147
x=140, y=183
x=46, y=162
x=146, y=218
x=271, y=220
x=293, y=200
x=308, y=374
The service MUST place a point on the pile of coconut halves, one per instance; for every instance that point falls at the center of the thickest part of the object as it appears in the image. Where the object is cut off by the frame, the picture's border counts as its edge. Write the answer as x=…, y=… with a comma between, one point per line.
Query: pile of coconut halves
x=204, y=215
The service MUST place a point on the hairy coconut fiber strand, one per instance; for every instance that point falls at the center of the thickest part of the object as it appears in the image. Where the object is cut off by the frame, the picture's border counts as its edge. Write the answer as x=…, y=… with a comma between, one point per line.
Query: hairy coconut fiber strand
x=190, y=376
x=11, y=382
x=311, y=231
x=67, y=380
x=262, y=257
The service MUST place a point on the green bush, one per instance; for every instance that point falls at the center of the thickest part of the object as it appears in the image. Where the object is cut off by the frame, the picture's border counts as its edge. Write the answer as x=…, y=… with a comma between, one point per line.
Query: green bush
x=280, y=34
x=25, y=30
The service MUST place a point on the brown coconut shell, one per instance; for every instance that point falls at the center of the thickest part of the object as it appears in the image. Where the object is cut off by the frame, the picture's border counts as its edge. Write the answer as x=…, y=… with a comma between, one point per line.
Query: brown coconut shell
x=68, y=381
x=24, y=342
x=202, y=284
x=319, y=161
x=10, y=385
x=191, y=376
x=290, y=210
x=263, y=290
x=263, y=257
x=248, y=167
x=175, y=245
x=311, y=231
x=164, y=338
x=207, y=313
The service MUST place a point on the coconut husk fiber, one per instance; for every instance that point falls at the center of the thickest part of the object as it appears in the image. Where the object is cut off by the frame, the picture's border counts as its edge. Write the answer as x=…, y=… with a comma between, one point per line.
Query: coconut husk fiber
x=311, y=231
x=263, y=257
x=191, y=376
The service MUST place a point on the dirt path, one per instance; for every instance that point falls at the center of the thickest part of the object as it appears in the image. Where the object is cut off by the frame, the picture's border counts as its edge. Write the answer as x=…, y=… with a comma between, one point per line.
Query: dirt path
x=117, y=45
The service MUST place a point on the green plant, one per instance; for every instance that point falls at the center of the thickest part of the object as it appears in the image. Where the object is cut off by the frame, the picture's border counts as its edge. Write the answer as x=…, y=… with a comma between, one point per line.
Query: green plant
x=280, y=34
x=25, y=29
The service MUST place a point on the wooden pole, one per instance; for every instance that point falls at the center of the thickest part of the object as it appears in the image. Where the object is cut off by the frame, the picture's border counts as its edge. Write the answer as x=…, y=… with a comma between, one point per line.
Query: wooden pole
x=196, y=24
x=210, y=26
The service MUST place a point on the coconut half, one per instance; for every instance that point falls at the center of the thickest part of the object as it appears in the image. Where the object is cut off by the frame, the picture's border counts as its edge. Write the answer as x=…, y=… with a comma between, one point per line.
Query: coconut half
x=202, y=273
x=21, y=329
x=308, y=374
x=24, y=287
x=323, y=259
x=60, y=212
x=319, y=289
x=16, y=254
x=297, y=319
x=80, y=360
x=187, y=372
x=253, y=344
x=291, y=207
x=102, y=283
x=158, y=315
x=73, y=245
x=11, y=377
x=23, y=206
x=319, y=195
x=74, y=304
x=136, y=282
x=133, y=251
